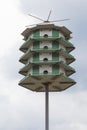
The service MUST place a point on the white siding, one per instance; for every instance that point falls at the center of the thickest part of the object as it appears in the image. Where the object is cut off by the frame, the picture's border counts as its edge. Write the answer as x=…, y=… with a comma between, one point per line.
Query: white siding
x=46, y=55
x=62, y=58
x=45, y=67
x=31, y=36
x=61, y=35
x=45, y=43
x=43, y=32
x=31, y=46
x=61, y=47
x=61, y=70
x=30, y=59
x=30, y=71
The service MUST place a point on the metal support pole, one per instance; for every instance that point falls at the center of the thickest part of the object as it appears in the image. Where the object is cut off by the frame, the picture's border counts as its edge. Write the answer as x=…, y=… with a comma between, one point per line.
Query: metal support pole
x=46, y=107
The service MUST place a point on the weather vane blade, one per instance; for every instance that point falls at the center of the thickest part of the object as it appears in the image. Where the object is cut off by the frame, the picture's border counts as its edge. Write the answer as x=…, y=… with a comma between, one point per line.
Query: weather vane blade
x=59, y=20
x=46, y=21
x=36, y=17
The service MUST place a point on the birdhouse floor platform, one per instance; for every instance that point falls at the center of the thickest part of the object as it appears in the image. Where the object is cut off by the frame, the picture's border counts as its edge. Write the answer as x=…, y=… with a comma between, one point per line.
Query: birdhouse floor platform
x=56, y=82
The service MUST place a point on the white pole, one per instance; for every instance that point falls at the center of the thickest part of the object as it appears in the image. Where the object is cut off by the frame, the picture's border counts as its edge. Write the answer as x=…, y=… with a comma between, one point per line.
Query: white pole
x=46, y=107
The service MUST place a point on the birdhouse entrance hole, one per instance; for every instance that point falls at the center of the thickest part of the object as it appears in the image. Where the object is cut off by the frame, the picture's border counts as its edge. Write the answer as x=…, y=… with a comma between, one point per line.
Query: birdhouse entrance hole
x=45, y=47
x=45, y=72
x=45, y=59
x=45, y=35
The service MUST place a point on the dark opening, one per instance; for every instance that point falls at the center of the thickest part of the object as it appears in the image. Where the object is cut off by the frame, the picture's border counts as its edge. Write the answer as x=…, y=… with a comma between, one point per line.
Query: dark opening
x=45, y=72
x=45, y=47
x=45, y=59
x=45, y=35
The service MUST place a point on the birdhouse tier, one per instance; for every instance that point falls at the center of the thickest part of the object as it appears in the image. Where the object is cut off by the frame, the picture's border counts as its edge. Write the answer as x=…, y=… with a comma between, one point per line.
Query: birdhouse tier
x=46, y=58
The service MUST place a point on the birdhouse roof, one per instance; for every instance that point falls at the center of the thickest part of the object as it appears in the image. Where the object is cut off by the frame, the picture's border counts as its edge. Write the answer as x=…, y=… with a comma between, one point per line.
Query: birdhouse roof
x=62, y=29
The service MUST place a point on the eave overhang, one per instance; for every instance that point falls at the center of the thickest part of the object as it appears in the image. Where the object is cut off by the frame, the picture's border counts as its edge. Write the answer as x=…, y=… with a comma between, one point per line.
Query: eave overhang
x=62, y=29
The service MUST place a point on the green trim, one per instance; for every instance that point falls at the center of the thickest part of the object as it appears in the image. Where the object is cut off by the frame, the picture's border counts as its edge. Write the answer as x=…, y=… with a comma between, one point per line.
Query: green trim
x=43, y=49
x=55, y=56
x=42, y=74
x=36, y=33
x=36, y=45
x=55, y=33
x=44, y=62
x=35, y=70
x=36, y=57
x=44, y=38
x=55, y=45
x=55, y=69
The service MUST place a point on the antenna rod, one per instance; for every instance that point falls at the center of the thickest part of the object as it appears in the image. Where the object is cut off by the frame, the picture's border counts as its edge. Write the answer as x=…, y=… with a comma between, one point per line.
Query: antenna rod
x=36, y=17
x=49, y=15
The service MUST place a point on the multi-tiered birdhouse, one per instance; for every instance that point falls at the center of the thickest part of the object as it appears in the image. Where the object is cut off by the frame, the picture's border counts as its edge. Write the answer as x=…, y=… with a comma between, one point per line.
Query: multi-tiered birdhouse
x=47, y=58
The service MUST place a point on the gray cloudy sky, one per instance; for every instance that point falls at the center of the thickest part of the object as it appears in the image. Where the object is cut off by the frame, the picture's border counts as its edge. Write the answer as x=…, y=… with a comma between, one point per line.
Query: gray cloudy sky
x=21, y=109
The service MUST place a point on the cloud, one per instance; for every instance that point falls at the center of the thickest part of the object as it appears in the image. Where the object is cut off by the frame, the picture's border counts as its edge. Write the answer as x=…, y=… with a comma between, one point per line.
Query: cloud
x=67, y=111
x=24, y=109
x=59, y=8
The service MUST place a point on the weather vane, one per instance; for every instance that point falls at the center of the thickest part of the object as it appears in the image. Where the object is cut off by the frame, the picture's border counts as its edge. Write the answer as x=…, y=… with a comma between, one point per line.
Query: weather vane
x=46, y=21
